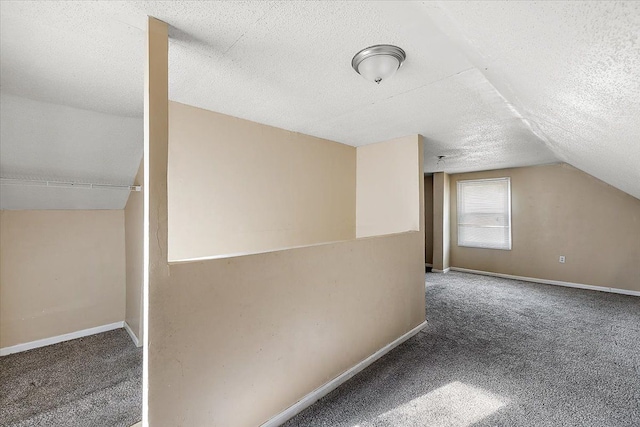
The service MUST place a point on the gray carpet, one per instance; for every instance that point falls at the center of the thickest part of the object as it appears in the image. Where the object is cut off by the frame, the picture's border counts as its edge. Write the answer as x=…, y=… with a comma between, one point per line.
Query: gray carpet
x=500, y=352
x=91, y=381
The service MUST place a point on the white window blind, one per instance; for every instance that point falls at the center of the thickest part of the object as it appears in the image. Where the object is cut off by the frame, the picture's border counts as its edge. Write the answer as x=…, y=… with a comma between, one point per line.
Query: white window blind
x=484, y=213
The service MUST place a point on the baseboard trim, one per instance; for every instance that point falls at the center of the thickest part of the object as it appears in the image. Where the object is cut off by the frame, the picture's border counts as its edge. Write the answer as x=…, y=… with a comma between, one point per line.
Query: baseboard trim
x=435, y=270
x=550, y=282
x=427, y=264
x=59, y=338
x=133, y=336
x=325, y=389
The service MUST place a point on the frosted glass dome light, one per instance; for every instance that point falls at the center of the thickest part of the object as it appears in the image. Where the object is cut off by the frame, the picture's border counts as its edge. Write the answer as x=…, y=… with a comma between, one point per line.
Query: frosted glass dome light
x=379, y=62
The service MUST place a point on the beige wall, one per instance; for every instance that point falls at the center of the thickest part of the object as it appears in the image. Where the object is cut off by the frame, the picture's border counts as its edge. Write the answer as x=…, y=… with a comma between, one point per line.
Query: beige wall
x=559, y=210
x=60, y=272
x=259, y=332
x=155, y=247
x=386, y=188
x=237, y=186
x=244, y=338
x=428, y=219
x=441, y=222
x=133, y=226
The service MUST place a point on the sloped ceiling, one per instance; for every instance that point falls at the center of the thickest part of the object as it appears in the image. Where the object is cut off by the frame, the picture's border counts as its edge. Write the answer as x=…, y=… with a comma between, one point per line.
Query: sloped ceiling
x=489, y=85
x=571, y=69
x=40, y=140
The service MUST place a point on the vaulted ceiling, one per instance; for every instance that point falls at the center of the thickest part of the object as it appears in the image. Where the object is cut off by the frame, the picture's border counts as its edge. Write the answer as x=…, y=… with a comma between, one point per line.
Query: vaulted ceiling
x=489, y=85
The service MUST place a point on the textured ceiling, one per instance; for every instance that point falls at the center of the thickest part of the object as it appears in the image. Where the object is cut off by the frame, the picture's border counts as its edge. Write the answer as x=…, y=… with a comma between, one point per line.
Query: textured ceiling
x=47, y=141
x=489, y=85
x=571, y=69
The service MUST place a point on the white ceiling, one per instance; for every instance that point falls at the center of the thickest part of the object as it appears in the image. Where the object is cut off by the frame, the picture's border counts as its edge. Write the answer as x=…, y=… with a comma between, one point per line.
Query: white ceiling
x=571, y=69
x=489, y=85
x=39, y=140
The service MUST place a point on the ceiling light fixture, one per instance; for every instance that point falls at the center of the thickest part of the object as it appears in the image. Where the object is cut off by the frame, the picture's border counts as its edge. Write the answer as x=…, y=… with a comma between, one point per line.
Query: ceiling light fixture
x=379, y=62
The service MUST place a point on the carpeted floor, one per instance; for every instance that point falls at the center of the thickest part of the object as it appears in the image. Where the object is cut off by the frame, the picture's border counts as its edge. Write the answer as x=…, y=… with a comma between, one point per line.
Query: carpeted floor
x=500, y=352
x=91, y=381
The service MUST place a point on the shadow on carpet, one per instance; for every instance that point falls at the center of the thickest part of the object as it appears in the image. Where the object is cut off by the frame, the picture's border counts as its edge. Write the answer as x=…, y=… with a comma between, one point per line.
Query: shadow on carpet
x=500, y=352
x=90, y=381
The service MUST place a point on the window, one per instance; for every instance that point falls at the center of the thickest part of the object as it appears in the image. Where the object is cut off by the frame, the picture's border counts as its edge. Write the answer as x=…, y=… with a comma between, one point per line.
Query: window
x=484, y=213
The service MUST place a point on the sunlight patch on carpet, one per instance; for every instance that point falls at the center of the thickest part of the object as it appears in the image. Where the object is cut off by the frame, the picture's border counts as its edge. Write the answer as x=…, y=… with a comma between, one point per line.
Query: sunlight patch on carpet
x=453, y=405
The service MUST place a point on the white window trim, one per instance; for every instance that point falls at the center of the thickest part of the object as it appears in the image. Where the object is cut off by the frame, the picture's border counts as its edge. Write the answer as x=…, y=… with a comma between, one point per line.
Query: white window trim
x=505, y=178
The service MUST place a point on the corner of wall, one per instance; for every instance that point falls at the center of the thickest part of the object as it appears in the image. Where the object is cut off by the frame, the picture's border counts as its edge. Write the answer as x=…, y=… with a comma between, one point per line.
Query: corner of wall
x=441, y=221
x=133, y=240
x=446, y=226
x=388, y=175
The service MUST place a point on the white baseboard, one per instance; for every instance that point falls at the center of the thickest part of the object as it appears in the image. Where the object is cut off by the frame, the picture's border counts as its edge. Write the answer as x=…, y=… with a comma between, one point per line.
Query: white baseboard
x=435, y=270
x=551, y=282
x=60, y=338
x=426, y=264
x=325, y=389
x=133, y=336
